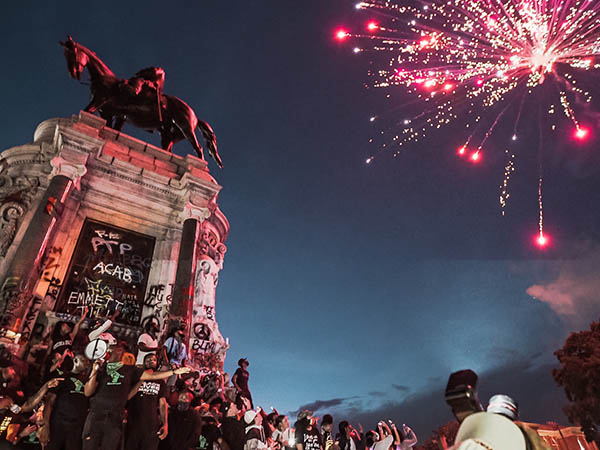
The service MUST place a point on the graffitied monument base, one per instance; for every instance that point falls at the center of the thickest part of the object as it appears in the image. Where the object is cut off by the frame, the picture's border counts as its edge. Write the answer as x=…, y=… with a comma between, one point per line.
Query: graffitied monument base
x=90, y=217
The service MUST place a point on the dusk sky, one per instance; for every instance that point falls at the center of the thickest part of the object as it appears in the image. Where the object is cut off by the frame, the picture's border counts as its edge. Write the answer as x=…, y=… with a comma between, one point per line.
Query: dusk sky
x=355, y=289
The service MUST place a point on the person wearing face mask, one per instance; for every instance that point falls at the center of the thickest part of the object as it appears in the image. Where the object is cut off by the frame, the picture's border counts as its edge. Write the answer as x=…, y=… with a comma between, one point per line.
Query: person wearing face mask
x=147, y=409
x=108, y=387
x=185, y=425
x=66, y=408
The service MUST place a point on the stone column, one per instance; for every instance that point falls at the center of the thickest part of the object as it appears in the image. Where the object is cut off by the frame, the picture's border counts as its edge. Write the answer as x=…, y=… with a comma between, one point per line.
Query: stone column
x=18, y=284
x=207, y=348
x=17, y=304
x=183, y=288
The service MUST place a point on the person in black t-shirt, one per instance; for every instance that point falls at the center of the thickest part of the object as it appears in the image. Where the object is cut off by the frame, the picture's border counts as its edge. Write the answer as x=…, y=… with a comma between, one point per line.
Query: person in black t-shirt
x=185, y=425
x=231, y=427
x=240, y=380
x=147, y=411
x=66, y=409
x=109, y=386
x=61, y=345
x=307, y=435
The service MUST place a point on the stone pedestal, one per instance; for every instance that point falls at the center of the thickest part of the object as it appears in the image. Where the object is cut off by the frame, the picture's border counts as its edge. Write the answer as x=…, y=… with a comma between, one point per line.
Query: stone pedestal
x=93, y=217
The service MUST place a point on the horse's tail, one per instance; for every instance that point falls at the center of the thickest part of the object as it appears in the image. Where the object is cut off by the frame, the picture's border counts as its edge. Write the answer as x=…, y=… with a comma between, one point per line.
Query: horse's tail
x=211, y=141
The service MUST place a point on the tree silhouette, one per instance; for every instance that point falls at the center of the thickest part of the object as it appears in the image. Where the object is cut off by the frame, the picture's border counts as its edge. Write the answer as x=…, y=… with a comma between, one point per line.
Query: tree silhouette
x=579, y=375
x=441, y=438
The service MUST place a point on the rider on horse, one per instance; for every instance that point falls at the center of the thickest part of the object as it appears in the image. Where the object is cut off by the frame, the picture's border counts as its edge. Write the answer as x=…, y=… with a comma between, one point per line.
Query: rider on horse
x=153, y=79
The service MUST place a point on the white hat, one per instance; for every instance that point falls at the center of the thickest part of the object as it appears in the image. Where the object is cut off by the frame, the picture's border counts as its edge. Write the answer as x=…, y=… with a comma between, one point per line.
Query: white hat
x=489, y=431
x=249, y=416
x=505, y=405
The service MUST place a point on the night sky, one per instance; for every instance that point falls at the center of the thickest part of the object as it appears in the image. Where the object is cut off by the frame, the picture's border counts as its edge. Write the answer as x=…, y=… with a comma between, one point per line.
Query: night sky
x=354, y=289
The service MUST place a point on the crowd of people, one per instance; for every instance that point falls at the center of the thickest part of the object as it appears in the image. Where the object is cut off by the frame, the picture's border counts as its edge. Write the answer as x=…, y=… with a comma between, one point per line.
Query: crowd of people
x=89, y=391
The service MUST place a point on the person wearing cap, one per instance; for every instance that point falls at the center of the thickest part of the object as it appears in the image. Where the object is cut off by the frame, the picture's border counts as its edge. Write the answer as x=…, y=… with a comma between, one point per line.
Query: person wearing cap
x=147, y=411
x=108, y=387
x=240, y=380
x=255, y=435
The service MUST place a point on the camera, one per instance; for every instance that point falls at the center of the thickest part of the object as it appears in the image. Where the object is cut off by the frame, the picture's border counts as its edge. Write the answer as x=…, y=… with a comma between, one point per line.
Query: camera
x=461, y=394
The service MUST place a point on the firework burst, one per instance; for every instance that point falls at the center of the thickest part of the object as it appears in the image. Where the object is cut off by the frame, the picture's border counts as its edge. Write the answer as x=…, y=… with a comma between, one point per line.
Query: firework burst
x=478, y=62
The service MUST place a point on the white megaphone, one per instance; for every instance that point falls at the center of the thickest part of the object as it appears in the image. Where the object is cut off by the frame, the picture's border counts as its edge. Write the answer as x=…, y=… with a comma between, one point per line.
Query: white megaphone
x=97, y=348
x=489, y=431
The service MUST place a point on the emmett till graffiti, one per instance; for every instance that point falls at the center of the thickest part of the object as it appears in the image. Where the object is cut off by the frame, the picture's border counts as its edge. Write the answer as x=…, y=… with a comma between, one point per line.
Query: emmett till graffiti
x=108, y=272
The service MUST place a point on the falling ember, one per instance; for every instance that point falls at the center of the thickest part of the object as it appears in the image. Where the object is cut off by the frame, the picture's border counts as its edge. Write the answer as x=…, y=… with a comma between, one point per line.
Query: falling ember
x=372, y=26
x=341, y=34
x=542, y=240
x=476, y=156
x=462, y=150
x=508, y=171
x=581, y=133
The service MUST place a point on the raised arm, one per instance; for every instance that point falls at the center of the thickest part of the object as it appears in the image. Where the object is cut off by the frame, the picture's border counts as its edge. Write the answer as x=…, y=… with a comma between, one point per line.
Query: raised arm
x=397, y=440
x=149, y=376
x=92, y=383
x=101, y=329
x=410, y=440
x=75, y=329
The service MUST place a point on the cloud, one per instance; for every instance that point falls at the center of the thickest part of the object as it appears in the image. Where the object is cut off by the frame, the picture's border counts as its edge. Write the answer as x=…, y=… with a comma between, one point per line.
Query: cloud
x=377, y=394
x=532, y=385
x=320, y=404
x=400, y=387
x=573, y=293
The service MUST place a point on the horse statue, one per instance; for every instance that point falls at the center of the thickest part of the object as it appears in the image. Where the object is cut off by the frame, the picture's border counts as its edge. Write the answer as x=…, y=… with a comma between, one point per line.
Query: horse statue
x=138, y=100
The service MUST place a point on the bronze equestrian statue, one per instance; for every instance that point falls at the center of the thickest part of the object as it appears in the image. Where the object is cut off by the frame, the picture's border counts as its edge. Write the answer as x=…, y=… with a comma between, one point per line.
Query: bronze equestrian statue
x=139, y=100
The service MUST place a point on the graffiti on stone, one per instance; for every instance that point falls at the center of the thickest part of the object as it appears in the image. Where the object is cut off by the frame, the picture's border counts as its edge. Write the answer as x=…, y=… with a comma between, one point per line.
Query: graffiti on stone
x=108, y=272
x=202, y=331
x=30, y=318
